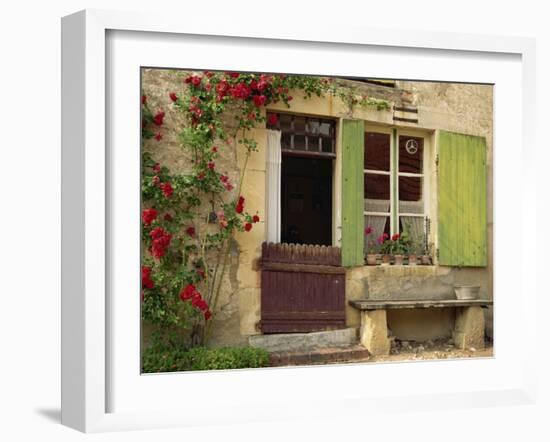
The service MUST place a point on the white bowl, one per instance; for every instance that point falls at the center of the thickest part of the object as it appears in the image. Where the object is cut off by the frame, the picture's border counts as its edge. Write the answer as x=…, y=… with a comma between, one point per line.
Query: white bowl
x=466, y=291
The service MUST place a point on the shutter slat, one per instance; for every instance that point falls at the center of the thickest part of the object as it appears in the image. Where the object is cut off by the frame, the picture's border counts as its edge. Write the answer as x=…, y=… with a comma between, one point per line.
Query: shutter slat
x=352, y=192
x=462, y=200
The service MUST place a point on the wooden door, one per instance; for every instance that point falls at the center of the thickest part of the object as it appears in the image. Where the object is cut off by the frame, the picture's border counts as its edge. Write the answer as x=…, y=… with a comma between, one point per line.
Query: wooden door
x=302, y=288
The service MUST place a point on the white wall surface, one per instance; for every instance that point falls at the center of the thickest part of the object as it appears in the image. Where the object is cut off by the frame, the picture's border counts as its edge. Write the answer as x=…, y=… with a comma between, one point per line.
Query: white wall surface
x=30, y=214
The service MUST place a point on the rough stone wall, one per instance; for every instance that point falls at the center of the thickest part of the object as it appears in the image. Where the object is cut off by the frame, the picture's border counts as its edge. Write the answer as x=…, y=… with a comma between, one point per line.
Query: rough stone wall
x=455, y=107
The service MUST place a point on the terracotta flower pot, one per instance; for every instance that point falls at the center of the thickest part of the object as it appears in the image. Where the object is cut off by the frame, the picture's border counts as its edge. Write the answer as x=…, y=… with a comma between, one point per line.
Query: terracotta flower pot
x=386, y=259
x=399, y=260
x=413, y=259
x=425, y=260
x=371, y=259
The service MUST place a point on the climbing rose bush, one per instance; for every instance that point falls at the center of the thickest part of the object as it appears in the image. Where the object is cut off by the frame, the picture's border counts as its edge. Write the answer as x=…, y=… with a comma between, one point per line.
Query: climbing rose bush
x=189, y=219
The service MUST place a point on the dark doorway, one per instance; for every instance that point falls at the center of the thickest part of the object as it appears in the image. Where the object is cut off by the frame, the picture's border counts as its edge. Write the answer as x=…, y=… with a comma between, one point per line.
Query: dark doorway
x=306, y=200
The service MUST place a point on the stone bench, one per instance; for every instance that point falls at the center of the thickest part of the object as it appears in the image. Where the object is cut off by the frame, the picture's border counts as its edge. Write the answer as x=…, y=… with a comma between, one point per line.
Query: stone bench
x=469, y=329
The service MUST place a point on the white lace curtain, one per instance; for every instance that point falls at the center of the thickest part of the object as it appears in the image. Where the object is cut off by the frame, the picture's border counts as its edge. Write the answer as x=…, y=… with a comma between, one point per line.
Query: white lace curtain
x=414, y=224
x=273, y=186
x=377, y=222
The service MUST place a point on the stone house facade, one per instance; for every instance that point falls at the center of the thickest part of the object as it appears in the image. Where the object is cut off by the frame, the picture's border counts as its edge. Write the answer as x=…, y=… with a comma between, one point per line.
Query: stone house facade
x=388, y=193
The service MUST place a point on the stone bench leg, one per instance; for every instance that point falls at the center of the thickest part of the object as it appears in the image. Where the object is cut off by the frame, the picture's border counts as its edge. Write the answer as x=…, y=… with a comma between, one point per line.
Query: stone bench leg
x=374, y=332
x=469, y=328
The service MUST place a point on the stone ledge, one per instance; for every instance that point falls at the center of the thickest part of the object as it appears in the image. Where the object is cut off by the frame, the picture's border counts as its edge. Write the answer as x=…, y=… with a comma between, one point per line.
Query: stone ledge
x=353, y=353
x=286, y=342
x=413, y=303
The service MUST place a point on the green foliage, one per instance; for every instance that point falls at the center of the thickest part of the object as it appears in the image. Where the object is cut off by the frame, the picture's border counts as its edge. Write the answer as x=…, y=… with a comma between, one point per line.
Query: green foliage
x=162, y=358
x=189, y=219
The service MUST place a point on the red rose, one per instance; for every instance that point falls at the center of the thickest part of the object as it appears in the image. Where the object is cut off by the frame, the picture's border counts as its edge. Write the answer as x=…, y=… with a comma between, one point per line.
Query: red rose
x=146, y=281
x=224, y=178
x=201, y=274
x=211, y=165
x=155, y=180
x=158, y=119
x=190, y=231
x=369, y=230
x=173, y=96
x=214, y=149
x=207, y=315
x=208, y=74
x=233, y=74
x=241, y=90
x=240, y=205
x=255, y=218
x=248, y=227
x=167, y=217
x=228, y=186
x=143, y=99
x=161, y=241
x=196, y=80
x=259, y=100
x=395, y=237
x=187, y=292
x=197, y=300
x=167, y=189
x=272, y=119
x=222, y=88
x=158, y=136
x=156, y=168
x=251, y=116
x=148, y=216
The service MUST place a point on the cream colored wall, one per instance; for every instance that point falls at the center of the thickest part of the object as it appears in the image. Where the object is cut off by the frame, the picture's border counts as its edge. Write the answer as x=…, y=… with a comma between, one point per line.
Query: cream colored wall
x=461, y=108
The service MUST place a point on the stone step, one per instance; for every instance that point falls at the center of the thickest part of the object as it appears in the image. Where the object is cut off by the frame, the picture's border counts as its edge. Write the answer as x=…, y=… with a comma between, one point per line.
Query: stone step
x=286, y=342
x=351, y=353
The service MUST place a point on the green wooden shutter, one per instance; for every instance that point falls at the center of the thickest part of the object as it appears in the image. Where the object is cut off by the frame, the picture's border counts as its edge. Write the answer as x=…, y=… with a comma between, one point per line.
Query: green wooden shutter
x=353, y=135
x=462, y=200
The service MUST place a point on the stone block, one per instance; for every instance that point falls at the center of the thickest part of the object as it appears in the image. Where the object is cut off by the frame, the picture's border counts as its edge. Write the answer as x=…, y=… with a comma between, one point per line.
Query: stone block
x=469, y=328
x=374, y=332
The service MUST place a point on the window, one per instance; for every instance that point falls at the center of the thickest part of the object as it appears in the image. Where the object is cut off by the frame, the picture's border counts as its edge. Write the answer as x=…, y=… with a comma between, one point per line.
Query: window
x=395, y=184
x=303, y=135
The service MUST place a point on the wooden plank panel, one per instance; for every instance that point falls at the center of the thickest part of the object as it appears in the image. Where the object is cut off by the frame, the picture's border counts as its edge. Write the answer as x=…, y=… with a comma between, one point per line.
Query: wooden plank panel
x=462, y=200
x=352, y=192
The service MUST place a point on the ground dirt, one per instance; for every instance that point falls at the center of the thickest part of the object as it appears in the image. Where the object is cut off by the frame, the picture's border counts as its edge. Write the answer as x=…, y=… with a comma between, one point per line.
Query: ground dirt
x=429, y=350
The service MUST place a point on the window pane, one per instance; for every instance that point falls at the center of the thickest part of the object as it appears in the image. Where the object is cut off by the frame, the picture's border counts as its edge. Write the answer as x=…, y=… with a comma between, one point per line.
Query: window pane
x=377, y=151
x=313, y=127
x=411, y=153
x=299, y=142
x=327, y=145
x=415, y=228
x=299, y=124
x=285, y=141
x=411, y=206
x=377, y=186
x=325, y=128
x=379, y=226
x=285, y=120
x=410, y=188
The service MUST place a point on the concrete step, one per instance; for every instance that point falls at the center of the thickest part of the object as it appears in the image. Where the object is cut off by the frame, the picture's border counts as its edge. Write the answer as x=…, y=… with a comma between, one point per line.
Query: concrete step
x=351, y=353
x=287, y=342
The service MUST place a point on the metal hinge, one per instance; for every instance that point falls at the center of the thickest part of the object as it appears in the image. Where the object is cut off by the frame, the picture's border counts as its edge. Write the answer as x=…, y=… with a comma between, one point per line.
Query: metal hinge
x=437, y=253
x=437, y=161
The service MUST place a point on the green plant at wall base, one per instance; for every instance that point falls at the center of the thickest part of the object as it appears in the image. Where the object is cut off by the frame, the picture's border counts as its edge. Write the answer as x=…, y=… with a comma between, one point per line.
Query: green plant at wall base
x=190, y=219
x=163, y=358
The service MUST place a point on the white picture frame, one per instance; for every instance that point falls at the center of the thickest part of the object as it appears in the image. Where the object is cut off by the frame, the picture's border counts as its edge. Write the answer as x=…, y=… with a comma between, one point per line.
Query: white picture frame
x=85, y=201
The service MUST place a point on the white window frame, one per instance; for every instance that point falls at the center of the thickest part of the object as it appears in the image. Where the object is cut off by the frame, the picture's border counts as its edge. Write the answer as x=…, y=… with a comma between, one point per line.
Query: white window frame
x=394, y=133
